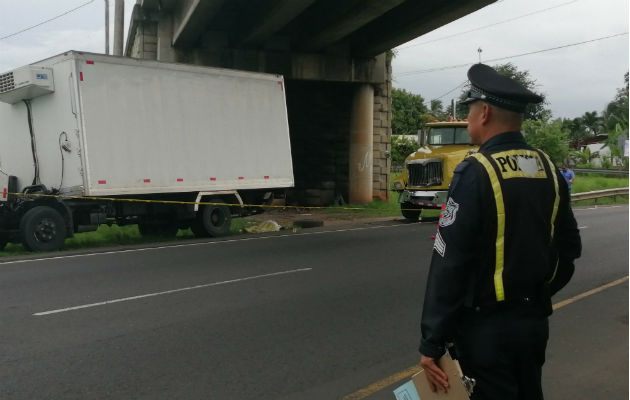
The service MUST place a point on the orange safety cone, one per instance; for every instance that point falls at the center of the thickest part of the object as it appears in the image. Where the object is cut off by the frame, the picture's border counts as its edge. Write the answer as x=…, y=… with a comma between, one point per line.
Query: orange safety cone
x=438, y=224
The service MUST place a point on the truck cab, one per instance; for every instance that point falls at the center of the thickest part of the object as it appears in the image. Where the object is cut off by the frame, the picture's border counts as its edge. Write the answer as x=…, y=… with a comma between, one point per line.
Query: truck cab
x=427, y=174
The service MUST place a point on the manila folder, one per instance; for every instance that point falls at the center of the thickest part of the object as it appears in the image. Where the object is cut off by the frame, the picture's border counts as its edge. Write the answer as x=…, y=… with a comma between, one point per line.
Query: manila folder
x=456, y=391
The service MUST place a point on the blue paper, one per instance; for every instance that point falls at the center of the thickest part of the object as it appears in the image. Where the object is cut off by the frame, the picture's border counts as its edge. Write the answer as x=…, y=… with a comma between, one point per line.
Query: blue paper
x=407, y=392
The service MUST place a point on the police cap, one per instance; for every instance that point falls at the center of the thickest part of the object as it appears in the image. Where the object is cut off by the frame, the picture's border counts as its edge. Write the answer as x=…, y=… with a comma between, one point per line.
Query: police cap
x=488, y=85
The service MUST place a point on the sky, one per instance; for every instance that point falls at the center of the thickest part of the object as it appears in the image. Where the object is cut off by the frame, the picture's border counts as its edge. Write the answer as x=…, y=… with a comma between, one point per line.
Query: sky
x=82, y=29
x=574, y=78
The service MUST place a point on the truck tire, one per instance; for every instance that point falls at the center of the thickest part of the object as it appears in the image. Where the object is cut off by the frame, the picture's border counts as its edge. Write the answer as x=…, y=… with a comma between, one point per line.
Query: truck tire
x=411, y=212
x=43, y=229
x=212, y=220
x=163, y=229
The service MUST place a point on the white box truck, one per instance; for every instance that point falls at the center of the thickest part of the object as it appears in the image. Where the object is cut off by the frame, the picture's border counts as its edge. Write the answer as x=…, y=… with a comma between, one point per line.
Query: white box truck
x=81, y=134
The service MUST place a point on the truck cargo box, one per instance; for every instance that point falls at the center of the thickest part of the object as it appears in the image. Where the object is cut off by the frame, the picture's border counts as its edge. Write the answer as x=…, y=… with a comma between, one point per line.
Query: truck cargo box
x=107, y=126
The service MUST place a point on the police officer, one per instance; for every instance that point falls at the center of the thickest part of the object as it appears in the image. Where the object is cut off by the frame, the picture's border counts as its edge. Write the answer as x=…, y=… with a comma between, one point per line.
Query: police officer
x=505, y=244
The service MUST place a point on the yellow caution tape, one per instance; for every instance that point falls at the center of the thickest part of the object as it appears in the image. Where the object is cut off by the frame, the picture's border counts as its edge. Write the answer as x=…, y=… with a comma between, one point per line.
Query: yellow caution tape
x=201, y=203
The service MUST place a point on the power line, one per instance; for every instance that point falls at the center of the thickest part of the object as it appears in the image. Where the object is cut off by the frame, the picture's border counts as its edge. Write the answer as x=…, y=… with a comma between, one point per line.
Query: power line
x=486, y=26
x=452, y=90
x=48, y=20
x=422, y=71
x=560, y=47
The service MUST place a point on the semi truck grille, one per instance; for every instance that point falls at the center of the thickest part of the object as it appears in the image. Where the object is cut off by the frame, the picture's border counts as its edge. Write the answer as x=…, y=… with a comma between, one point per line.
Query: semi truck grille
x=6, y=82
x=427, y=173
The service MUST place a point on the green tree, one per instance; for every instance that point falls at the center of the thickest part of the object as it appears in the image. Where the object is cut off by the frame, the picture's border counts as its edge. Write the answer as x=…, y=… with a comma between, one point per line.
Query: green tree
x=401, y=148
x=577, y=132
x=549, y=137
x=437, y=110
x=532, y=111
x=408, y=110
x=592, y=123
x=616, y=111
x=582, y=128
x=615, y=121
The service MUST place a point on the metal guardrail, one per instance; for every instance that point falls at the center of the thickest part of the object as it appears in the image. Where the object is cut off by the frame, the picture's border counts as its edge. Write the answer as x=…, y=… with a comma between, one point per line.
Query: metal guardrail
x=601, y=171
x=599, y=193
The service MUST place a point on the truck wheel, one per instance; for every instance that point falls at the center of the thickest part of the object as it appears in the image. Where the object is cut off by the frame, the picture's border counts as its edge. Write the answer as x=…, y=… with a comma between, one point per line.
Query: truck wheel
x=198, y=230
x=212, y=220
x=411, y=212
x=42, y=229
x=164, y=229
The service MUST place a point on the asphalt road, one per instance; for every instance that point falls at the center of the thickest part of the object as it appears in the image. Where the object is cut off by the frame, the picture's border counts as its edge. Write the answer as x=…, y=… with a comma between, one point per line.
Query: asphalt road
x=312, y=315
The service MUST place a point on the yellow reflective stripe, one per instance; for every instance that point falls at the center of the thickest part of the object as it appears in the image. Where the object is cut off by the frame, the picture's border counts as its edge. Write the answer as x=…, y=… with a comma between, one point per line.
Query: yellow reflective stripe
x=500, y=242
x=556, y=201
x=555, y=271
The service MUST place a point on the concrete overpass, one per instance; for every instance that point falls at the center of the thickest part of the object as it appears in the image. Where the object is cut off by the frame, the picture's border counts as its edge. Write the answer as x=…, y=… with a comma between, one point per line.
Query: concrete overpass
x=334, y=55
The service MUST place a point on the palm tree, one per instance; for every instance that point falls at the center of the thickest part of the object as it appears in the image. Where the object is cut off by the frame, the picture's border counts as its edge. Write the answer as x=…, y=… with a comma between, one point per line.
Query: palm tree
x=592, y=122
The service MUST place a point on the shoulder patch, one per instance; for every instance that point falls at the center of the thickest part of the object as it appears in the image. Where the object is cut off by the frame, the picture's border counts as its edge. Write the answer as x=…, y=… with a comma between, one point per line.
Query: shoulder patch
x=439, y=244
x=450, y=213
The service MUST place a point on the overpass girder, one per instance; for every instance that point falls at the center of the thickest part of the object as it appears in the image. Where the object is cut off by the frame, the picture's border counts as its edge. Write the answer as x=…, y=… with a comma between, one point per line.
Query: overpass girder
x=189, y=20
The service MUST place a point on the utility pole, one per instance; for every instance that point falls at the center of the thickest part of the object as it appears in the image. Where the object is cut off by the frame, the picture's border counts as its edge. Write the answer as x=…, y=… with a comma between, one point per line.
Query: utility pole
x=479, y=51
x=107, y=27
x=119, y=23
x=454, y=107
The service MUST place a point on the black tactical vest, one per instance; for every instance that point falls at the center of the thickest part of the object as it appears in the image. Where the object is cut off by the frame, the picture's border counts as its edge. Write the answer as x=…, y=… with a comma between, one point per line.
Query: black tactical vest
x=521, y=258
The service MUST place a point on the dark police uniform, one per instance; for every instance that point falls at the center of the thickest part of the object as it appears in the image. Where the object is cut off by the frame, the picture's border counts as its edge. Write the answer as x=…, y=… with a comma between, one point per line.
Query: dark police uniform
x=505, y=244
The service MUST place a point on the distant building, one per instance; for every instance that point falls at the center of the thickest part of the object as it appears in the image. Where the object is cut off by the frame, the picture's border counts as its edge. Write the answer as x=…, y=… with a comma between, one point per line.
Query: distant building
x=598, y=150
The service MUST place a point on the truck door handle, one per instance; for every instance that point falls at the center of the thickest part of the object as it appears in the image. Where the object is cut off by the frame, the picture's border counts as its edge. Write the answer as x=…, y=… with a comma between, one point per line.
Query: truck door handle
x=73, y=105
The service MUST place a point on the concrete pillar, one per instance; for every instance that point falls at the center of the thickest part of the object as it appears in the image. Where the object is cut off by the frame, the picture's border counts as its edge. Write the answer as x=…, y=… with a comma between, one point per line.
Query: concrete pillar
x=165, y=50
x=119, y=27
x=361, y=145
x=107, y=27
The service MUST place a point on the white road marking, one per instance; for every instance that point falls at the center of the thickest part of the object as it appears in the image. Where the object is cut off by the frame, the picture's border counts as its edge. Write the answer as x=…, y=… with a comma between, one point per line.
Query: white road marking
x=143, y=296
x=195, y=244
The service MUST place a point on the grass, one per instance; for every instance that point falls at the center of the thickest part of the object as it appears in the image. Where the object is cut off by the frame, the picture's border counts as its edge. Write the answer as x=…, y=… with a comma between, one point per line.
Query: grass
x=129, y=235
x=117, y=236
x=589, y=182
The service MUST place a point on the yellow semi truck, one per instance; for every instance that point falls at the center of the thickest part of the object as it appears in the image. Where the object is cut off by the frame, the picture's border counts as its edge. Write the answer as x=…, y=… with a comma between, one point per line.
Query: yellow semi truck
x=424, y=181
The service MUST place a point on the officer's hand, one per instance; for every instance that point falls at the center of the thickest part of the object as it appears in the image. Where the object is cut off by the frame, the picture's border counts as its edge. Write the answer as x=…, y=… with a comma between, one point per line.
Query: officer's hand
x=435, y=375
